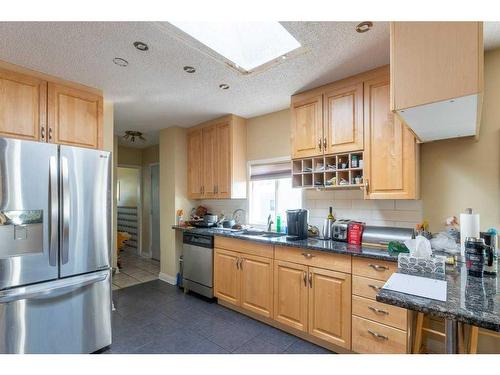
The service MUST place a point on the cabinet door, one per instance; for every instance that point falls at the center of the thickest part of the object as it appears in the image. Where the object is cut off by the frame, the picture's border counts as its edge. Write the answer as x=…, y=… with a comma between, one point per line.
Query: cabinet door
x=227, y=276
x=194, y=142
x=344, y=119
x=257, y=285
x=307, y=127
x=223, y=183
x=22, y=106
x=209, y=161
x=390, y=155
x=74, y=117
x=290, y=294
x=330, y=306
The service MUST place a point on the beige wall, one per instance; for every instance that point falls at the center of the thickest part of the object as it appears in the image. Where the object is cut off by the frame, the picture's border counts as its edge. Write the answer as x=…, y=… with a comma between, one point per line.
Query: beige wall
x=461, y=173
x=173, y=196
x=128, y=178
x=129, y=155
x=268, y=136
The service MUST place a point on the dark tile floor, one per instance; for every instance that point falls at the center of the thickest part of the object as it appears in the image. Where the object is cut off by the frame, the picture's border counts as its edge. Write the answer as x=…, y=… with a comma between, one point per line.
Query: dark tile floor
x=155, y=317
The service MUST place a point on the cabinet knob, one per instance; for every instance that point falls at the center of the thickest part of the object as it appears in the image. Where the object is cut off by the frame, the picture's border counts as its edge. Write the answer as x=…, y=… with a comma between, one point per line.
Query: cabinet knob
x=378, y=311
x=319, y=144
x=377, y=267
x=324, y=143
x=308, y=255
x=378, y=335
x=310, y=280
x=238, y=263
x=50, y=133
x=42, y=131
x=367, y=185
x=304, y=276
x=374, y=287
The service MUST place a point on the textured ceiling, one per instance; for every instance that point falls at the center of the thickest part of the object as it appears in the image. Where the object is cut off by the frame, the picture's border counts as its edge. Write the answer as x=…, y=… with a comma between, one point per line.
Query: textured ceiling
x=153, y=91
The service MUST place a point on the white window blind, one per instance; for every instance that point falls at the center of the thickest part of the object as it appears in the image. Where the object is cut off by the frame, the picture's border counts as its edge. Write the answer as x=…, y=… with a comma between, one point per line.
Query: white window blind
x=270, y=171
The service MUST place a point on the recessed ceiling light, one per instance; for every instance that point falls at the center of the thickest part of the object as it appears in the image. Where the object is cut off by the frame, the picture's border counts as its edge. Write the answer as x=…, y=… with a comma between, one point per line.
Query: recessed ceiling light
x=247, y=45
x=120, y=62
x=224, y=86
x=141, y=46
x=363, y=27
x=189, y=69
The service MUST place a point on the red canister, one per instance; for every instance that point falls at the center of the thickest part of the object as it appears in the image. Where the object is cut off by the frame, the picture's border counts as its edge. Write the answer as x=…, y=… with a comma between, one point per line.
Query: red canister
x=355, y=233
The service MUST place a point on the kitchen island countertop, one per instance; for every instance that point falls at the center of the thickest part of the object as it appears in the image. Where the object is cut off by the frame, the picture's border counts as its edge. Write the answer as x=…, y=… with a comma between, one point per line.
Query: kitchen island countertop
x=470, y=300
x=310, y=243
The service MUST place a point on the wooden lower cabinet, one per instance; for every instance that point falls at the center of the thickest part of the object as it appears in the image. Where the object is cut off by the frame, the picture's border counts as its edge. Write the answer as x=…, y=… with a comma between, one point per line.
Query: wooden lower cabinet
x=330, y=306
x=370, y=337
x=291, y=294
x=257, y=284
x=227, y=276
x=244, y=280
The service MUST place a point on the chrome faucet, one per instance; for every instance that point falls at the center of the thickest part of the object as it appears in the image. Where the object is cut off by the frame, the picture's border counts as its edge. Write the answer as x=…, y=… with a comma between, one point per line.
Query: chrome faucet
x=269, y=223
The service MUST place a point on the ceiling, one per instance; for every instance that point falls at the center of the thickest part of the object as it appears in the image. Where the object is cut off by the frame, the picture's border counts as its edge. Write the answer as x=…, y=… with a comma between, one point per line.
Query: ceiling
x=153, y=92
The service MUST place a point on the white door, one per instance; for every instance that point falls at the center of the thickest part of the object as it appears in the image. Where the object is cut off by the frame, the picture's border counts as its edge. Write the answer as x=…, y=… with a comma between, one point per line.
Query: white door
x=155, y=212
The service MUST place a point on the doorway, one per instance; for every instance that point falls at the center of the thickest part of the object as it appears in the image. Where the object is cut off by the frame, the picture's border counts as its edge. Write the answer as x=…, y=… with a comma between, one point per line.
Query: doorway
x=134, y=267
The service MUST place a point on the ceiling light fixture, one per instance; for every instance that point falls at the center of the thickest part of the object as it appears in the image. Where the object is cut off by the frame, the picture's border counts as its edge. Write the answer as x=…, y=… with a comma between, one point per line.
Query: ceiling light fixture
x=224, y=86
x=241, y=43
x=130, y=136
x=363, y=27
x=120, y=62
x=189, y=69
x=141, y=46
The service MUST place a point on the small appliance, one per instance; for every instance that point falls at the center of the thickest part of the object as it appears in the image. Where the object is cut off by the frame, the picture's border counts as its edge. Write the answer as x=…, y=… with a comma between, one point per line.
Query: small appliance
x=339, y=230
x=297, y=224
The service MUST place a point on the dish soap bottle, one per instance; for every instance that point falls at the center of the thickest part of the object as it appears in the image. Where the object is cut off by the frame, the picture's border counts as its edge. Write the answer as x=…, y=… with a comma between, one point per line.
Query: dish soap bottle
x=278, y=224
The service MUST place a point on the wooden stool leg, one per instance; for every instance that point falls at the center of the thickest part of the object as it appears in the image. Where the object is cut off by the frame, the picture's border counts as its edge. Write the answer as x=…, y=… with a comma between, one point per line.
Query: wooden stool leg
x=461, y=344
x=417, y=342
x=474, y=335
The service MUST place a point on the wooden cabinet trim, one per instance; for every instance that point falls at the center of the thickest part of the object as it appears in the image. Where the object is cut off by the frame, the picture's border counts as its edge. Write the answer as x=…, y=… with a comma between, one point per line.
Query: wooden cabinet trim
x=335, y=262
x=244, y=246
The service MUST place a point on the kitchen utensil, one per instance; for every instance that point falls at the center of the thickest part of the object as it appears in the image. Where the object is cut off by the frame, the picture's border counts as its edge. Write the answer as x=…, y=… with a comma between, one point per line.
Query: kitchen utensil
x=477, y=256
x=210, y=218
x=228, y=223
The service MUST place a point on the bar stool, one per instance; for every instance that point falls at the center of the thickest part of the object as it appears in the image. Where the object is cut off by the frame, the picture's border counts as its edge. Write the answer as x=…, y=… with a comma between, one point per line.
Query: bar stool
x=474, y=337
x=420, y=331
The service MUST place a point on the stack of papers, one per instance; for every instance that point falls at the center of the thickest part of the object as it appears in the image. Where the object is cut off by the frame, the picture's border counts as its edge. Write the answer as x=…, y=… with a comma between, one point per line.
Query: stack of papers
x=417, y=286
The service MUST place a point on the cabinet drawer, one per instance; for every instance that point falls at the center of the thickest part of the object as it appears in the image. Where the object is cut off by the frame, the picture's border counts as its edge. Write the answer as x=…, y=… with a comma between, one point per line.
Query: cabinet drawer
x=376, y=269
x=380, y=312
x=370, y=337
x=365, y=287
x=335, y=262
x=244, y=246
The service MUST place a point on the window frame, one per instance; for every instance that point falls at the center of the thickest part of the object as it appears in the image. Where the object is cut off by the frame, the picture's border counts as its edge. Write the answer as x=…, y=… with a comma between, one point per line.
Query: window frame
x=249, y=187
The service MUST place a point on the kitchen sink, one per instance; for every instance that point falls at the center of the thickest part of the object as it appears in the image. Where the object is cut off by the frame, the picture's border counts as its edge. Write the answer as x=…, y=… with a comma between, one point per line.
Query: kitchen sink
x=261, y=233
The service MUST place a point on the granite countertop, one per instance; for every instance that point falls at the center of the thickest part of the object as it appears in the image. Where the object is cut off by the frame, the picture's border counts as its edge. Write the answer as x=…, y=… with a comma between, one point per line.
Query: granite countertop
x=471, y=300
x=311, y=243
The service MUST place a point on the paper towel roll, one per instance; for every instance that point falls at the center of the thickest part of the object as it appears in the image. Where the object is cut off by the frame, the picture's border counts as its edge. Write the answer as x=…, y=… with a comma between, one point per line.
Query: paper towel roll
x=469, y=227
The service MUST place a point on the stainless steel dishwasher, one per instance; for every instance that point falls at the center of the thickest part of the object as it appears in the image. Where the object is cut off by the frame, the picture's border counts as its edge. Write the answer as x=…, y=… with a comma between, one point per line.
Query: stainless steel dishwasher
x=198, y=260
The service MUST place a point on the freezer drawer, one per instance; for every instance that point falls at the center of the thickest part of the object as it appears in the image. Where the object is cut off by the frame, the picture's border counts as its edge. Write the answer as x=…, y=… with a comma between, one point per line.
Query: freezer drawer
x=71, y=315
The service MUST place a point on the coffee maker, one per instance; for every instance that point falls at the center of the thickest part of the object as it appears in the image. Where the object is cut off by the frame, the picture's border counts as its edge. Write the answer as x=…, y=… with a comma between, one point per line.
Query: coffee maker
x=297, y=224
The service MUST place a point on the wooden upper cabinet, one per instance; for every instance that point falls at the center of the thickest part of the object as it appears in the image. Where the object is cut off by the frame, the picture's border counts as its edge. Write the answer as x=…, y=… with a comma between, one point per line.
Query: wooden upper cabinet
x=222, y=150
x=227, y=276
x=23, y=106
x=330, y=306
x=290, y=294
x=223, y=155
x=74, y=116
x=391, y=151
x=437, y=77
x=257, y=285
x=343, y=107
x=195, y=183
x=209, y=172
x=307, y=127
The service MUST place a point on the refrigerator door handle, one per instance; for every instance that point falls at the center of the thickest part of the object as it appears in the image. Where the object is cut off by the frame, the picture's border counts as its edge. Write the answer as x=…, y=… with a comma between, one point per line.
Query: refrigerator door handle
x=51, y=289
x=54, y=211
x=65, y=210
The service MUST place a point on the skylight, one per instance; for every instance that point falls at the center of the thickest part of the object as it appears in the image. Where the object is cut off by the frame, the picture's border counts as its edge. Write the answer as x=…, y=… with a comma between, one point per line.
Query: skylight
x=248, y=45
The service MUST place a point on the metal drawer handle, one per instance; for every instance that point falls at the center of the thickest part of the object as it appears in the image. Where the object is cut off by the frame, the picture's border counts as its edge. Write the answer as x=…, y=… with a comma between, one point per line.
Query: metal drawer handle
x=238, y=263
x=374, y=287
x=378, y=311
x=304, y=275
x=241, y=263
x=378, y=267
x=378, y=335
x=310, y=280
x=308, y=255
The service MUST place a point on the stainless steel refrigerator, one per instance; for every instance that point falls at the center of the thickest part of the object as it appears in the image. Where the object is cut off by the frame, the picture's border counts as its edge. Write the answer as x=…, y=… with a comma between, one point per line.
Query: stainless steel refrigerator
x=55, y=231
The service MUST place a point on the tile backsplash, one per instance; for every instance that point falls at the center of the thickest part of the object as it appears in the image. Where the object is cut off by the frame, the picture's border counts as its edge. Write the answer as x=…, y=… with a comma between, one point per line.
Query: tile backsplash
x=347, y=204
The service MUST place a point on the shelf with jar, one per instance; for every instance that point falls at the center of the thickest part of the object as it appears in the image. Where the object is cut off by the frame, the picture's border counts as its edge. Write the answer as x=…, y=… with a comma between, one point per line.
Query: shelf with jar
x=338, y=171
